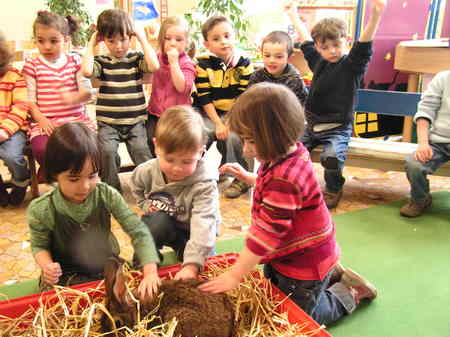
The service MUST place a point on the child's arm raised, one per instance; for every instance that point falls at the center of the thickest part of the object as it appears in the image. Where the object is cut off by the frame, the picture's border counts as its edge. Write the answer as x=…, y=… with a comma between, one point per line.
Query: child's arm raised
x=181, y=77
x=150, y=56
x=246, y=262
x=87, y=66
x=291, y=10
x=375, y=17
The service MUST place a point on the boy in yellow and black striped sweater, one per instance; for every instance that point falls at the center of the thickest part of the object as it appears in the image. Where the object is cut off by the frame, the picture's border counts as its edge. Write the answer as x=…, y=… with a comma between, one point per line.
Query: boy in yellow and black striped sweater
x=13, y=126
x=222, y=75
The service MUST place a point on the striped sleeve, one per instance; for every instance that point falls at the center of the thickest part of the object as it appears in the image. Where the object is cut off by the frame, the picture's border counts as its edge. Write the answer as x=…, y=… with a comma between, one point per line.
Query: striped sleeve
x=280, y=201
x=203, y=86
x=246, y=71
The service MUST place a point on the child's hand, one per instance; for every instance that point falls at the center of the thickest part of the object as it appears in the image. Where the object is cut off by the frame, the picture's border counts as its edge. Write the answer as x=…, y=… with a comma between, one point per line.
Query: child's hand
x=188, y=271
x=235, y=169
x=46, y=126
x=3, y=136
x=222, y=131
x=149, y=286
x=221, y=283
x=423, y=153
x=51, y=273
x=172, y=55
x=290, y=7
x=95, y=39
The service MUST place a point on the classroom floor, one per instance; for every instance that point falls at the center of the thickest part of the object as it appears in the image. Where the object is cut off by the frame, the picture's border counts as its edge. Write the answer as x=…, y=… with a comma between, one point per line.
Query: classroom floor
x=364, y=188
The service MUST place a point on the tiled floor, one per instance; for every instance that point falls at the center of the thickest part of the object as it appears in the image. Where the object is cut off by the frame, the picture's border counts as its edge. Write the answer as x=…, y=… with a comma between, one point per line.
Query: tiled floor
x=364, y=188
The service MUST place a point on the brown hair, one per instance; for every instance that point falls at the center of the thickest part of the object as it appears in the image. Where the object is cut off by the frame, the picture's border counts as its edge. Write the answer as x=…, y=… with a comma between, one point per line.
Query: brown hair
x=170, y=22
x=280, y=37
x=67, y=26
x=211, y=23
x=180, y=128
x=328, y=29
x=6, y=55
x=271, y=115
x=68, y=148
x=111, y=22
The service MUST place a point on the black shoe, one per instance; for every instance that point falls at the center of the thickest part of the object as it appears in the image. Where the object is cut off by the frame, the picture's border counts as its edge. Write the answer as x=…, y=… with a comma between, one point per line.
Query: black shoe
x=17, y=195
x=4, y=196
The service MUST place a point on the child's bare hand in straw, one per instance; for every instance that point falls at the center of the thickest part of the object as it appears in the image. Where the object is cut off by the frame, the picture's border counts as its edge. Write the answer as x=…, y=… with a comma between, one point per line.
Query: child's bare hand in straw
x=51, y=273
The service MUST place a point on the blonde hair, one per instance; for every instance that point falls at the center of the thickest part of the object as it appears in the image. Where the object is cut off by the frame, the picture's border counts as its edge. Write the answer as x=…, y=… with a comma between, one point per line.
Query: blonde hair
x=180, y=129
x=6, y=55
x=170, y=22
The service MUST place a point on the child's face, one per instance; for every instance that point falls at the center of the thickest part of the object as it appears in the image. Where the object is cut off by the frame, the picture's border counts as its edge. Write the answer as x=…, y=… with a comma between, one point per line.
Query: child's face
x=249, y=148
x=118, y=45
x=175, y=38
x=331, y=50
x=50, y=42
x=178, y=165
x=275, y=57
x=76, y=187
x=221, y=41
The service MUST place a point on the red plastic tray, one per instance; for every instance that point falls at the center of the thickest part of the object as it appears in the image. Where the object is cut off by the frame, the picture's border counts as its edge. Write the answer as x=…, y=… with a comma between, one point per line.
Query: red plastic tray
x=16, y=307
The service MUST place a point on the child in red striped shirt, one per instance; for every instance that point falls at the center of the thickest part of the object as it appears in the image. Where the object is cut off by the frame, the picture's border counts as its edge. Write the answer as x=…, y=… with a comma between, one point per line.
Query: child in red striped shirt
x=13, y=126
x=57, y=91
x=292, y=232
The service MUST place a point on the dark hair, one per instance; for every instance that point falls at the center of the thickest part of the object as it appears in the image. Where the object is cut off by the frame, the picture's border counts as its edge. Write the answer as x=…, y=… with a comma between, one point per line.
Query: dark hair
x=211, y=23
x=6, y=54
x=180, y=128
x=67, y=26
x=68, y=148
x=111, y=22
x=279, y=36
x=328, y=29
x=271, y=115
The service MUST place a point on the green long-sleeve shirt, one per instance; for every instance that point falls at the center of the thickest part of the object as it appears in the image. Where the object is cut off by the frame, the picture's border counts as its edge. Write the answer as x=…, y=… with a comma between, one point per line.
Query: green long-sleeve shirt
x=42, y=221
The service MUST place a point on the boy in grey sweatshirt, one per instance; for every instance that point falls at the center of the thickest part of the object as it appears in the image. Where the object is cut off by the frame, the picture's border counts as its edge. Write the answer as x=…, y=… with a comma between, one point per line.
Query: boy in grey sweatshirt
x=178, y=191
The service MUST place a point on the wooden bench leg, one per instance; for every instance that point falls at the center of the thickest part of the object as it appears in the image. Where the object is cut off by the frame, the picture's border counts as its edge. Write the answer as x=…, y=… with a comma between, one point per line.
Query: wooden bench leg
x=33, y=173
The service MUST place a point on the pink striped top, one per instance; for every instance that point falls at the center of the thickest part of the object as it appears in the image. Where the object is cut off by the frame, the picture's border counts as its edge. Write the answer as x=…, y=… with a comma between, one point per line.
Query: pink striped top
x=50, y=83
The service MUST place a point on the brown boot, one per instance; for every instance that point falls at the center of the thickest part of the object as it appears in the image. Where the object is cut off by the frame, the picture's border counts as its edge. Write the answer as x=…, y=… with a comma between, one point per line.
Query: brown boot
x=359, y=286
x=332, y=198
x=413, y=209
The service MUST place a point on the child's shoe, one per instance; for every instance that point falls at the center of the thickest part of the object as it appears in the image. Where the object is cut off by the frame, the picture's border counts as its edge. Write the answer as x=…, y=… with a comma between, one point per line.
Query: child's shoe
x=332, y=198
x=413, y=209
x=236, y=189
x=4, y=196
x=358, y=285
x=336, y=273
x=17, y=195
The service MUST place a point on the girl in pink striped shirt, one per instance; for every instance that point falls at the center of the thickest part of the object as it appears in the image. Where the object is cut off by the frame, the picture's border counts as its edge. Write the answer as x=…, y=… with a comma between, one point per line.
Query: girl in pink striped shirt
x=56, y=89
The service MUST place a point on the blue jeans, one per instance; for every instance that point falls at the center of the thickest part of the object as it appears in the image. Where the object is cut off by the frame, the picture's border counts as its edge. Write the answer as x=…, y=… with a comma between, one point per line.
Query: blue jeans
x=417, y=171
x=335, y=146
x=109, y=136
x=323, y=303
x=230, y=149
x=11, y=152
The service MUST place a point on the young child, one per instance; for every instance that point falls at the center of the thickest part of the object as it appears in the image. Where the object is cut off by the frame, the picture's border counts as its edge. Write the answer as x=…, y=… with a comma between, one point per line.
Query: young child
x=433, y=143
x=222, y=75
x=178, y=190
x=13, y=126
x=292, y=232
x=337, y=76
x=56, y=88
x=172, y=82
x=121, y=109
x=70, y=226
x=276, y=49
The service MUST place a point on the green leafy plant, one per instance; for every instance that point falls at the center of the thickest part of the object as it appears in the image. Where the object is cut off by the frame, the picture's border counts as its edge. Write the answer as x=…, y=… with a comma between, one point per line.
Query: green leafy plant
x=75, y=8
x=232, y=9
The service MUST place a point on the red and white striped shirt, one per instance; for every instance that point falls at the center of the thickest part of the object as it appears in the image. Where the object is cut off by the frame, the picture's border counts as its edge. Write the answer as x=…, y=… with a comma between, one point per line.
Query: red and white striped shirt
x=51, y=82
x=291, y=225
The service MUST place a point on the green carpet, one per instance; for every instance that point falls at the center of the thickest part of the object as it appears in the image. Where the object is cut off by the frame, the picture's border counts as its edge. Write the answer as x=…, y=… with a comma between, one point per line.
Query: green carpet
x=408, y=260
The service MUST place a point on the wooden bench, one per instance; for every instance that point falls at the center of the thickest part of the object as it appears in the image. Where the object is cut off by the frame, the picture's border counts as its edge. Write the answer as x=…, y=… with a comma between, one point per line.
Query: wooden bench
x=376, y=153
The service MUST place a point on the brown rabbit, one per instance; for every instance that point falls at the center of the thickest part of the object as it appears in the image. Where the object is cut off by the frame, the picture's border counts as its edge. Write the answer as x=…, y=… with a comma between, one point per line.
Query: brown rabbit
x=198, y=314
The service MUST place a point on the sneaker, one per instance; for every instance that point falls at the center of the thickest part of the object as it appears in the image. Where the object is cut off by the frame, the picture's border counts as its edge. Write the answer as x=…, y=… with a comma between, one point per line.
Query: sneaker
x=332, y=199
x=358, y=285
x=17, y=195
x=336, y=273
x=413, y=209
x=4, y=196
x=236, y=189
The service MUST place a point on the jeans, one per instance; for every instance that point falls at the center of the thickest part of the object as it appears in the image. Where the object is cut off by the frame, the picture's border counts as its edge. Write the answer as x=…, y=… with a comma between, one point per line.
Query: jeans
x=109, y=136
x=335, y=146
x=151, y=127
x=11, y=152
x=323, y=303
x=230, y=149
x=417, y=171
